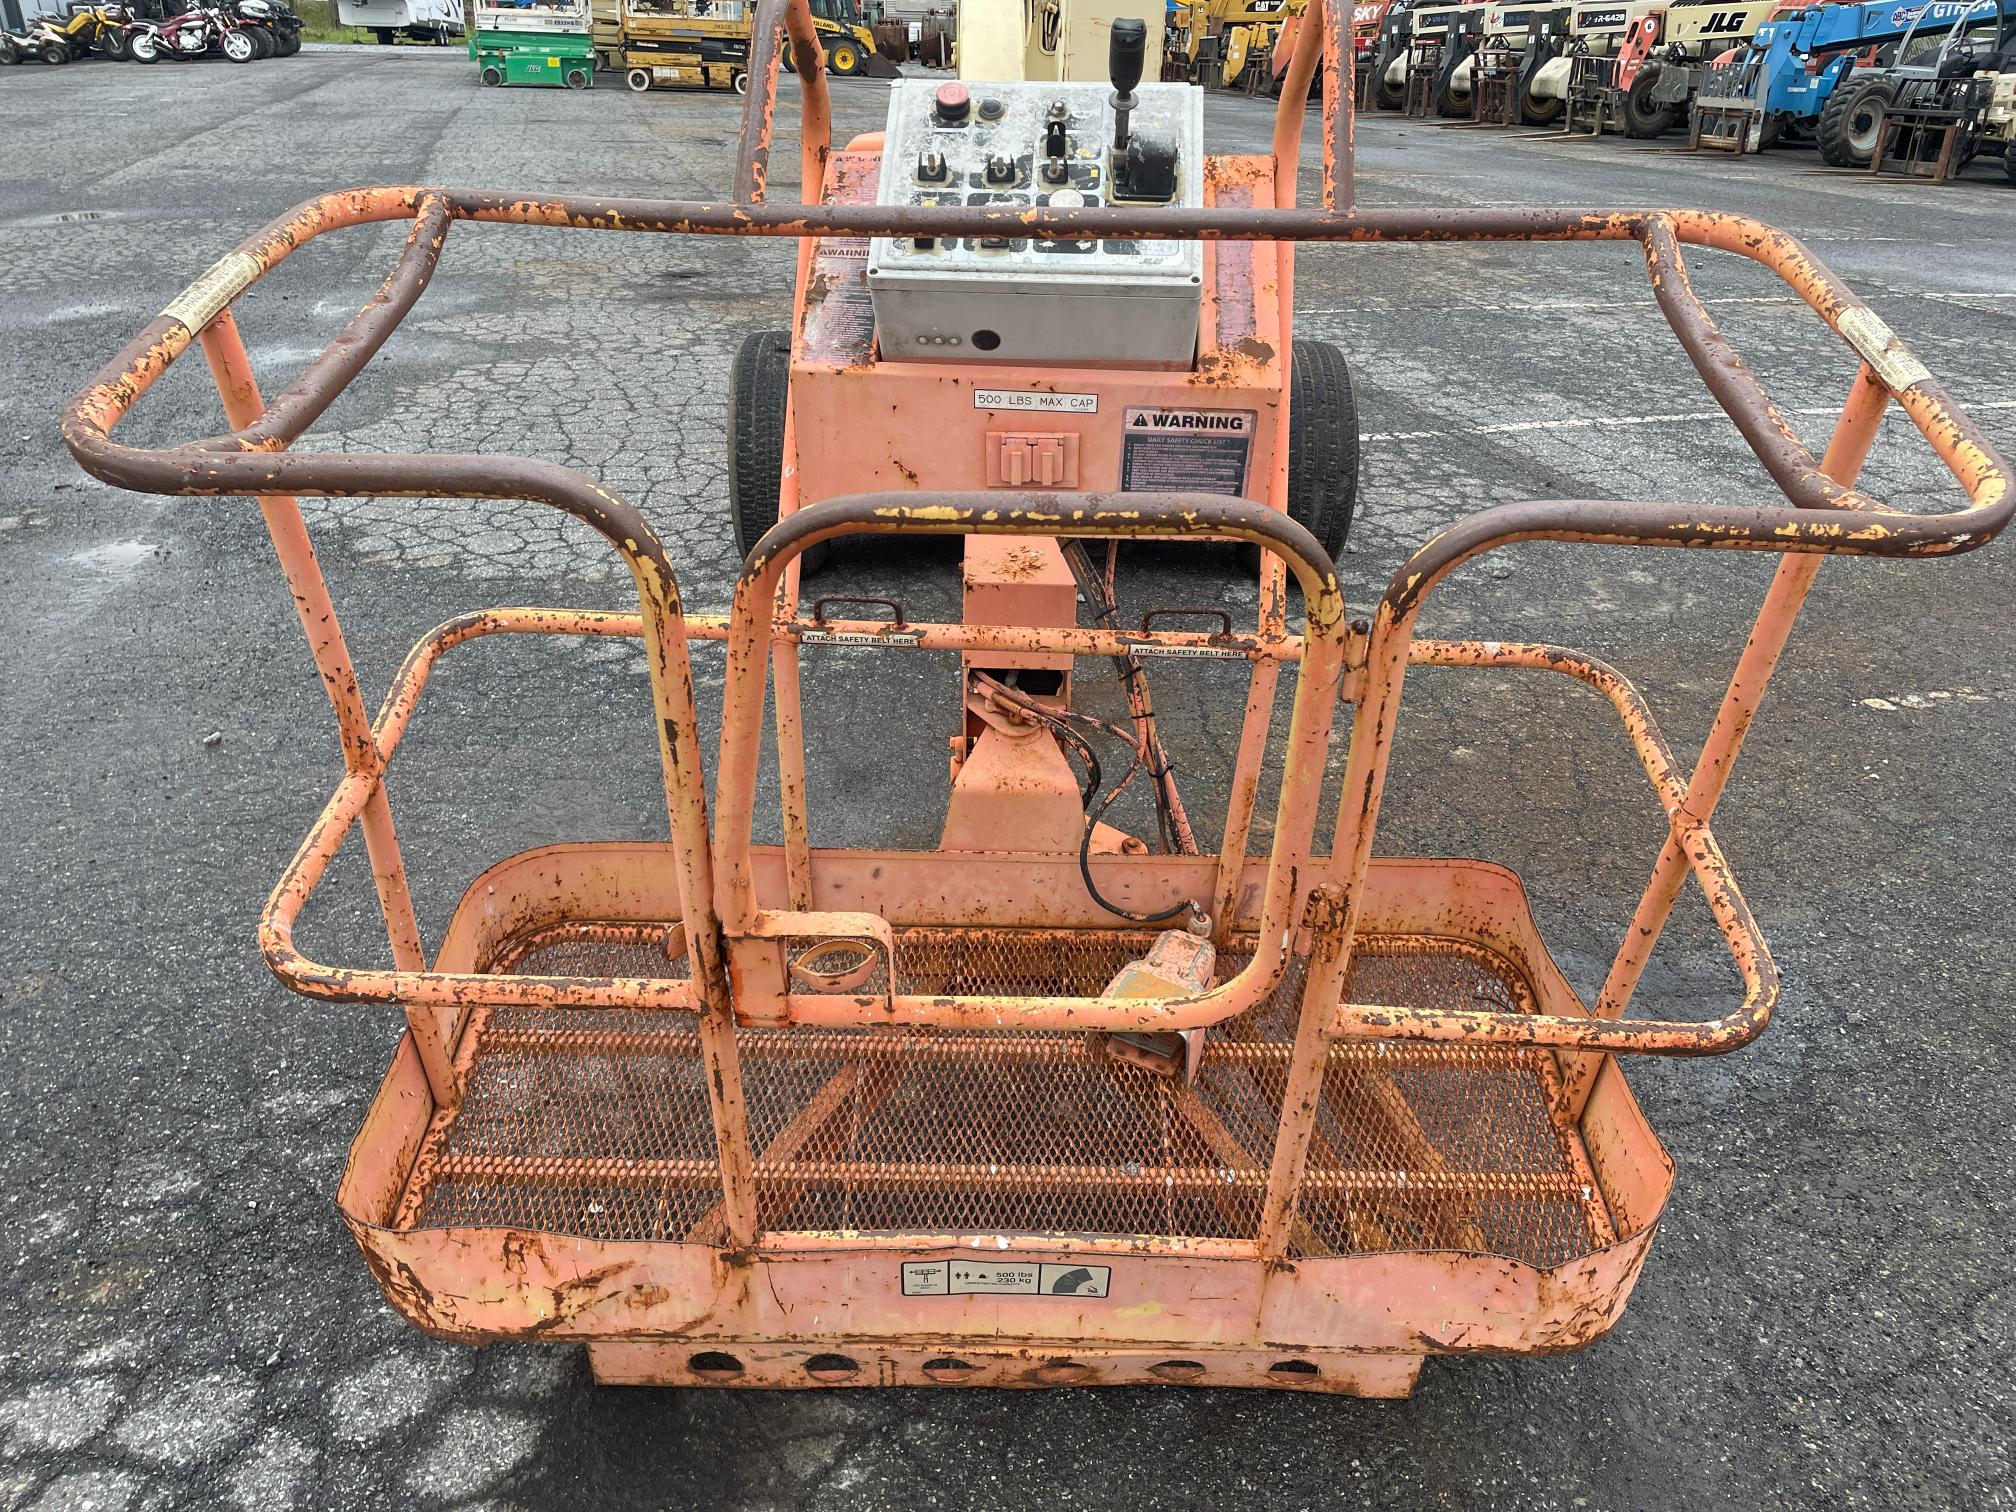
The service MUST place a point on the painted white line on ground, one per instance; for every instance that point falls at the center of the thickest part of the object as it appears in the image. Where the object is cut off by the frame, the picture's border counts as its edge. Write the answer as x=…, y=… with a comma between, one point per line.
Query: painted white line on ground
x=1647, y=303
x=1608, y=422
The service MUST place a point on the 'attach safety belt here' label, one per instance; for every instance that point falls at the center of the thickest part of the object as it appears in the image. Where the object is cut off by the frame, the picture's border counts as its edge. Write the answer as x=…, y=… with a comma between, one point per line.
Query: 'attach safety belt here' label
x=981, y=1278
x=1186, y=450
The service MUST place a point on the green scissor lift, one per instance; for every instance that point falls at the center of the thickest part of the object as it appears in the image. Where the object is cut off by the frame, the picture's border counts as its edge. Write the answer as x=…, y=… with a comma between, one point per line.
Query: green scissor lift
x=543, y=44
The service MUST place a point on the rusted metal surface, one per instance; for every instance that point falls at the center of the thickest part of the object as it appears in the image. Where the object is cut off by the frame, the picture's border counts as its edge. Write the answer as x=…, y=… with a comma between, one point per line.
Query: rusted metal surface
x=1321, y=1183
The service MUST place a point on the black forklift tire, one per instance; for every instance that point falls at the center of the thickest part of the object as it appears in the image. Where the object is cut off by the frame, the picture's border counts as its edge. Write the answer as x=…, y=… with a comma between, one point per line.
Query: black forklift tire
x=759, y=387
x=1534, y=112
x=1852, y=120
x=1390, y=96
x=1642, y=119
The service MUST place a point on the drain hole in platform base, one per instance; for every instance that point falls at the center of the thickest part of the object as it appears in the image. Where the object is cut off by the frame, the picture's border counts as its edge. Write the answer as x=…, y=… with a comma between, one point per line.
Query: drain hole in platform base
x=715, y=1365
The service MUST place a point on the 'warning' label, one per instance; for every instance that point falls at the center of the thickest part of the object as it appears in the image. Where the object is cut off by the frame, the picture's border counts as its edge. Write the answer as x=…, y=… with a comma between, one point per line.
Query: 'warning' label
x=983, y=1278
x=1186, y=450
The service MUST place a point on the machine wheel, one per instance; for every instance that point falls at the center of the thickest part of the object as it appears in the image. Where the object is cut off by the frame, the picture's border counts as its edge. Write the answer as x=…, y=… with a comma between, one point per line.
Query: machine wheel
x=2009, y=162
x=290, y=44
x=1852, y=120
x=1322, y=443
x=758, y=391
x=740, y=83
x=491, y=76
x=1391, y=96
x=784, y=55
x=144, y=48
x=1642, y=118
x=384, y=35
x=844, y=58
x=238, y=46
x=8, y=57
x=576, y=77
x=639, y=79
x=262, y=42
x=113, y=45
x=1534, y=112
x=55, y=53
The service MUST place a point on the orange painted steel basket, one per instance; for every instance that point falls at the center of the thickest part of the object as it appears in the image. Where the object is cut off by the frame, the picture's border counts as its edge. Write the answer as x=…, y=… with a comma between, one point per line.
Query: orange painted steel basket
x=632, y=1109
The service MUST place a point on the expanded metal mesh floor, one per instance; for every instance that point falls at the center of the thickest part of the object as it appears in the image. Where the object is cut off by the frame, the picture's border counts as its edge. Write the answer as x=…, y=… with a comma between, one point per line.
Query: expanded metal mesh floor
x=596, y=1123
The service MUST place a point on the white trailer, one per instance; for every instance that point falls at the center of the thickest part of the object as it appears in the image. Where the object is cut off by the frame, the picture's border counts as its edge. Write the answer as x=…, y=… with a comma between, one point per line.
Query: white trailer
x=437, y=21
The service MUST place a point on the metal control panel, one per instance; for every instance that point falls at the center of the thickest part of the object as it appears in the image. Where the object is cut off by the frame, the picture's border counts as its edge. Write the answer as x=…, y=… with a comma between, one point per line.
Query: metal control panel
x=1024, y=299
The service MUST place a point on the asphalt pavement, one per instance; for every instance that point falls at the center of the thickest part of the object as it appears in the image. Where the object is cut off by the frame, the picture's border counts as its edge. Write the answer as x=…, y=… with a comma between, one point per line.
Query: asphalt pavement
x=1825, y=1319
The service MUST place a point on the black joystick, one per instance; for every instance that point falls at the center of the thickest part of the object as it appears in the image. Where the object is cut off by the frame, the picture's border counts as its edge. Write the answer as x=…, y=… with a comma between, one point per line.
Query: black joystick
x=1125, y=58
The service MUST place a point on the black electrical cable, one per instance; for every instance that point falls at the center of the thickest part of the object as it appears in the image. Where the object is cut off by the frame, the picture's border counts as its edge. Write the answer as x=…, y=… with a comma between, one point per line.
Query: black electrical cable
x=1055, y=720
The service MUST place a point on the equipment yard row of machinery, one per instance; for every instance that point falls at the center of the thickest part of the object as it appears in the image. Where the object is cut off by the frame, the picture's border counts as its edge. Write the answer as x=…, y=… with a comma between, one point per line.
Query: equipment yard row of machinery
x=1903, y=87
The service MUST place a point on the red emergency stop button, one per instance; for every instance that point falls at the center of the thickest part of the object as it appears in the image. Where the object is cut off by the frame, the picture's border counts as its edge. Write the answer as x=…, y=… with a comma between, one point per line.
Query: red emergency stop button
x=952, y=103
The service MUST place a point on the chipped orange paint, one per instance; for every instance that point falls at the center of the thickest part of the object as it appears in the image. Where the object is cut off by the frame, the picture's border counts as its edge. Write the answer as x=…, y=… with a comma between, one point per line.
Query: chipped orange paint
x=739, y=1296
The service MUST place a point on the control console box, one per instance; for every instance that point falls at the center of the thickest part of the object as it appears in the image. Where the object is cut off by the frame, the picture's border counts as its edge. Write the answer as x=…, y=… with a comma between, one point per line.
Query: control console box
x=1023, y=299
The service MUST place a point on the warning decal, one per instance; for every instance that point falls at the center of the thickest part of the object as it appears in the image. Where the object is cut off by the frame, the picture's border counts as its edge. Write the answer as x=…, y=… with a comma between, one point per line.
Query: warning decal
x=1186, y=450
x=997, y=1278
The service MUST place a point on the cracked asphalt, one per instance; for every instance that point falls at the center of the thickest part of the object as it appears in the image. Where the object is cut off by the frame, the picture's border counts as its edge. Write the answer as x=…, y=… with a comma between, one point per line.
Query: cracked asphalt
x=1825, y=1318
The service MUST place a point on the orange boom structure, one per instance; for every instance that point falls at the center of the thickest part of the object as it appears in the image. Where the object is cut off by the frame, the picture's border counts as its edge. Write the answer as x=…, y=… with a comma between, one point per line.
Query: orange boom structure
x=1045, y=1105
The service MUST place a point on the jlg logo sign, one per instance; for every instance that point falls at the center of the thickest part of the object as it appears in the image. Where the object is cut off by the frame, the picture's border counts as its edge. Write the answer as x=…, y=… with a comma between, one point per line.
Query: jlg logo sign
x=1726, y=21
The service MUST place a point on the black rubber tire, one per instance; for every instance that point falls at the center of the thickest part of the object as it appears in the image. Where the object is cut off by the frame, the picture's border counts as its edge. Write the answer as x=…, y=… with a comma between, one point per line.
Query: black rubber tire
x=55, y=53
x=577, y=76
x=850, y=51
x=1534, y=112
x=1443, y=101
x=638, y=79
x=262, y=43
x=385, y=36
x=8, y=57
x=758, y=391
x=1387, y=95
x=1851, y=118
x=286, y=44
x=491, y=76
x=1642, y=119
x=1322, y=443
x=786, y=57
x=2009, y=162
